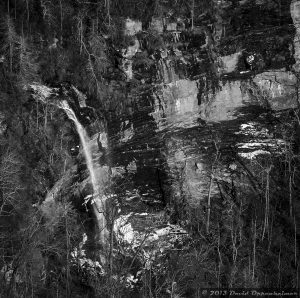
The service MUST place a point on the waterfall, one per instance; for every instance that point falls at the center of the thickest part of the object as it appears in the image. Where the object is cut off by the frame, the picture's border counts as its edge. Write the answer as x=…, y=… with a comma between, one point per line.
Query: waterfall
x=98, y=202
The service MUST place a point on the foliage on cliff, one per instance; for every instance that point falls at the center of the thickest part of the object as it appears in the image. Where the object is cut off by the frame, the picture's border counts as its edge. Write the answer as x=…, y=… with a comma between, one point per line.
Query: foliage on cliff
x=252, y=236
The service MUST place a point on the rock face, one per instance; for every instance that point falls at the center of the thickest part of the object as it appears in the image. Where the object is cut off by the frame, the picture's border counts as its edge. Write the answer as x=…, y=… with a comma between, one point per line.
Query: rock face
x=132, y=27
x=177, y=104
x=183, y=164
x=295, y=14
x=128, y=54
x=192, y=130
x=50, y=205
x=157, y=24
x=191, y=126
x=279, y=88
x=229, y=63
x=203, y=91
x=222, y=104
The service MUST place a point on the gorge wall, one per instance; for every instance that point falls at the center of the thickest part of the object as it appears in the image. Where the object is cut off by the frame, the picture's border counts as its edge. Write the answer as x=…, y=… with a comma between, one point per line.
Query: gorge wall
x=161, y=148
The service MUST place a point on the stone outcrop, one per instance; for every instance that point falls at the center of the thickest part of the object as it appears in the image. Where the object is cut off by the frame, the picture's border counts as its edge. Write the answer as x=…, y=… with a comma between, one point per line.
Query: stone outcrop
x=132, y=27
x=128, y=55
x=295, y=14
x=157, y=25
x=222, y=104
x=229, y=63
x=176, y=104
x=278, y=88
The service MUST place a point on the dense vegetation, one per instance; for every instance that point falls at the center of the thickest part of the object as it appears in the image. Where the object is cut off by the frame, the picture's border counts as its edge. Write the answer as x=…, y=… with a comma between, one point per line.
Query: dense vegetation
x=251, y=238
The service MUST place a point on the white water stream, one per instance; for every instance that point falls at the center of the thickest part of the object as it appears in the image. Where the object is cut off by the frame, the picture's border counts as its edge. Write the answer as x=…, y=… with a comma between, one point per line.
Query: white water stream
x=98, y=201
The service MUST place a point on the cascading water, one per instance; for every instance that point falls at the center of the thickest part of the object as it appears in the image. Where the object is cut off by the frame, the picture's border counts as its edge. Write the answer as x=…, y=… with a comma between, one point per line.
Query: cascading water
x=98, y=201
